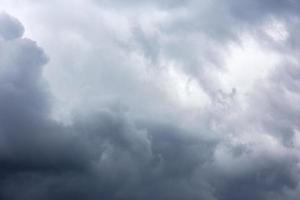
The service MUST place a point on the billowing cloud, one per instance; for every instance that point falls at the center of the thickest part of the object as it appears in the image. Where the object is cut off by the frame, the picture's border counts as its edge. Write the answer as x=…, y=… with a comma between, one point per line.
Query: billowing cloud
x=141, y=100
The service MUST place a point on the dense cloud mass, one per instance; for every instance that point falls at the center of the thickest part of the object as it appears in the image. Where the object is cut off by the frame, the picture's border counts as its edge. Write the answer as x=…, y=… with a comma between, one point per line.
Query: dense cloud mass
x=140, y=100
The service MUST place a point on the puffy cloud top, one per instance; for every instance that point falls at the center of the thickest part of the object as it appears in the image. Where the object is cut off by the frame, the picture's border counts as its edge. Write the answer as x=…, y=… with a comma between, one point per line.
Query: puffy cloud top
x=10, y=27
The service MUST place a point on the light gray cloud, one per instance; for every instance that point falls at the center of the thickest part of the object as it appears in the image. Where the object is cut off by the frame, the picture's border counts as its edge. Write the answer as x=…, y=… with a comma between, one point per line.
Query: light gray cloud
x=11, y=28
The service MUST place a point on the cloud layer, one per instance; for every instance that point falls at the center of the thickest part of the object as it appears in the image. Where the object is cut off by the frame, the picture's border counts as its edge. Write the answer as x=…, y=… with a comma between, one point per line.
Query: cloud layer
x=137, y=101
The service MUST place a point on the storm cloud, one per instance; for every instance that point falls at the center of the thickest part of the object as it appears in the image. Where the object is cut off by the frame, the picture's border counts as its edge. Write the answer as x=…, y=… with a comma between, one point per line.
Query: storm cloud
x=166, y=99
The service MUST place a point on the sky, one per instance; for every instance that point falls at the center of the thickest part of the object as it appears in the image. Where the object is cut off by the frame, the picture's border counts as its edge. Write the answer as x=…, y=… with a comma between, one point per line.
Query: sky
x=149, y=99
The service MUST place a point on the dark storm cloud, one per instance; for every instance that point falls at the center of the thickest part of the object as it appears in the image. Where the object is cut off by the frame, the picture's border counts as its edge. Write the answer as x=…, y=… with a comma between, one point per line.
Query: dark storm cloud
x=101, y=156
x=110, y=155
x=269, y=182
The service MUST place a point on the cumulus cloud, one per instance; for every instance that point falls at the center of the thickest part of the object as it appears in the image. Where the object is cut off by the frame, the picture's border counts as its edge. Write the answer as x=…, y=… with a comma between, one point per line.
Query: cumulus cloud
x=119, y=78
x=10, y=27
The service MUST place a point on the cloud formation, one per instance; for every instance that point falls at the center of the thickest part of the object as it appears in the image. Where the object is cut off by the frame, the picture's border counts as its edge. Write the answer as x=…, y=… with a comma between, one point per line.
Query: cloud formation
x=135, y=131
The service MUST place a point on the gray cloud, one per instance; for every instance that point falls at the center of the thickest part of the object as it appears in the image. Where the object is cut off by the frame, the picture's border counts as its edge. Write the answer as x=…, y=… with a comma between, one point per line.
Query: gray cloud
x=156, y=151
x=11, y=28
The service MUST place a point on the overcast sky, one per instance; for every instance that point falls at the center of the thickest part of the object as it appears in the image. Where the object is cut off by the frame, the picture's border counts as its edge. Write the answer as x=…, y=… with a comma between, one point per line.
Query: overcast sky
x=149, y=99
